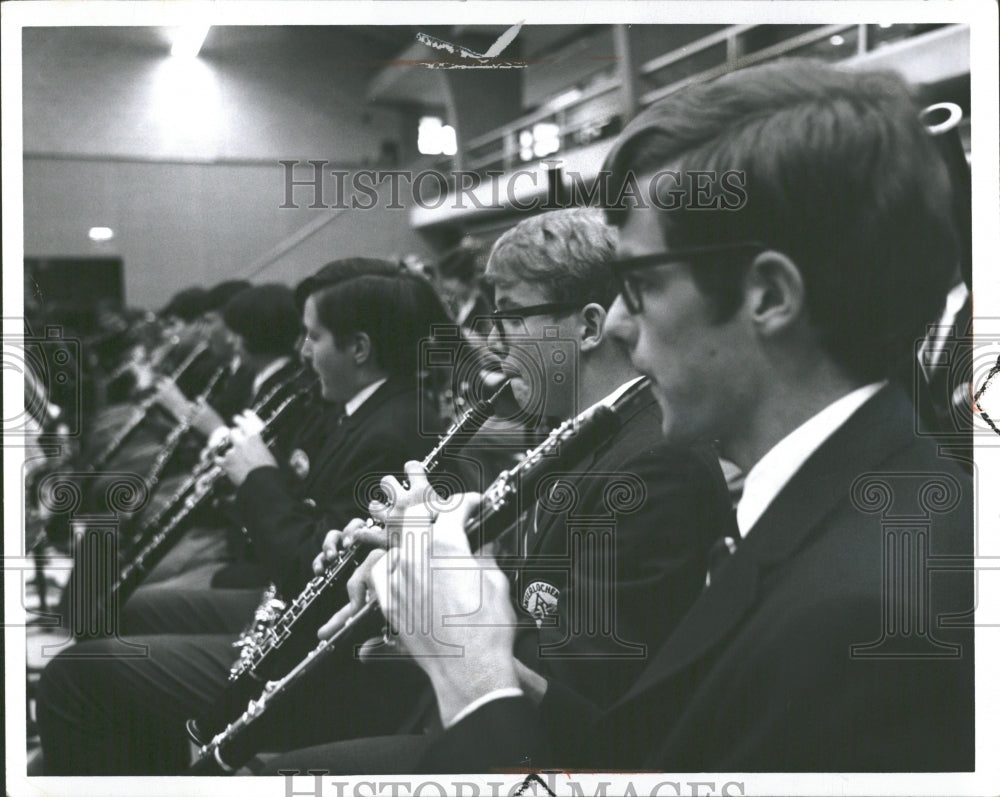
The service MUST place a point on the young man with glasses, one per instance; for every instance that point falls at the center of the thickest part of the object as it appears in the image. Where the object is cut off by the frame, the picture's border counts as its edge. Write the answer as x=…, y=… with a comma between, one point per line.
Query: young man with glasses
x=613, y=548
x=832, y=638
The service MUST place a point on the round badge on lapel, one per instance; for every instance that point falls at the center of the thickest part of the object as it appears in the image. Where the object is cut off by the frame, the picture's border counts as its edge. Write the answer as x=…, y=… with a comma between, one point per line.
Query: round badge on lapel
x=299, y=463
x=541, y=601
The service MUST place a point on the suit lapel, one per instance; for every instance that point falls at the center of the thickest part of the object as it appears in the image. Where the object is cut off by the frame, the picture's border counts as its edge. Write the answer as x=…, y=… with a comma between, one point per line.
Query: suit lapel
x=353, y=424
x=541, y=523
x=874, y=432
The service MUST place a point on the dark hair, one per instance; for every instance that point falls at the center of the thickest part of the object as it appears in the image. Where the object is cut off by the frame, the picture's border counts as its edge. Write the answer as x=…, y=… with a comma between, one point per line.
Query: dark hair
x=464, y=263
x=567, y=252
x=396, y=312
x=839, y=175
x=338, y=270
x=187, y=304
x=265, y=317
x=218, y=295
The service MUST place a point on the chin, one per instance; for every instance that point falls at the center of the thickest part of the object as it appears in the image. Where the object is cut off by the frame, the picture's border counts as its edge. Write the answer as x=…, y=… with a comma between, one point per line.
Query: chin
x=669, y=426
x=522, y=392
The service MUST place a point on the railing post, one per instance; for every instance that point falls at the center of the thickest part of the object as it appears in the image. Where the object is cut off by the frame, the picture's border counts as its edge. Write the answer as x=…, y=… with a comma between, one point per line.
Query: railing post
x=626, y=71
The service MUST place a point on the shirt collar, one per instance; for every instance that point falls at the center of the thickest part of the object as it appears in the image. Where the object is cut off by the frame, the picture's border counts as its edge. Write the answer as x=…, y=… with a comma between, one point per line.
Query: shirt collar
x=362, y=396
x=611, y=398
x=773, y=471
x=267, y=372
x=464, y=311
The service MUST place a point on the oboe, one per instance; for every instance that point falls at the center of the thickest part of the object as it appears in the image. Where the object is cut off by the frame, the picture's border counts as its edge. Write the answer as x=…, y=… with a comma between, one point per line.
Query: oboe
x=151, y=547
x=173, y=440
x=240, y=740
x=133, y=423
x=276, y=646
x=207, y=457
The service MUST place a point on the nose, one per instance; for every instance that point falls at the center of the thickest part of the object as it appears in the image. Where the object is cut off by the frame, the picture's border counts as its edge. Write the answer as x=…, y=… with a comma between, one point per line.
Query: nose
x=306, y=351
x=621, y=324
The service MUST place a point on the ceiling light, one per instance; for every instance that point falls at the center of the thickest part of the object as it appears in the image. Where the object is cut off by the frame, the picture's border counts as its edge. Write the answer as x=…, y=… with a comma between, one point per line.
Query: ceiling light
x=836, y=40
x=186, y=41
x=100, y=234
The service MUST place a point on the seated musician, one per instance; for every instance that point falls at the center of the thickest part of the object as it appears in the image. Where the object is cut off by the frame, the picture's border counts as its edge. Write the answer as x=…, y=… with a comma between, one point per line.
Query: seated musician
x=584, y=563
x=262, y=326
x=102, y=713
x=202, y=355
x=771, y=325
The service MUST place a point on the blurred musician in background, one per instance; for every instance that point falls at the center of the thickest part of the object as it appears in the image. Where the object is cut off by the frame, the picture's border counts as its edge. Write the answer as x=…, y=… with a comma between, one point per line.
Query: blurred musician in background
x=772, y=326
x=260, y=326
x=458, y=279
x=102, y=714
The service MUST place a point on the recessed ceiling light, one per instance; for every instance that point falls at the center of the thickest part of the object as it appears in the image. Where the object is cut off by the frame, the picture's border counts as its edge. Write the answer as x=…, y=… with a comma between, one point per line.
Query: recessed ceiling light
x=101, y=234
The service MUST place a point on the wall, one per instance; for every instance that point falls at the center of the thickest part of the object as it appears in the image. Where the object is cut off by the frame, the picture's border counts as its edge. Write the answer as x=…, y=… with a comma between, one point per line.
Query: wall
x=181, y=161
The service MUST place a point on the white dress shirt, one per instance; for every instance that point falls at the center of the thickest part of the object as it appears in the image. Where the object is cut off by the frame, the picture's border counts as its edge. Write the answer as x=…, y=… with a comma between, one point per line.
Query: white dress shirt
x=773, y=471
x=266, y=373
x=359, y=398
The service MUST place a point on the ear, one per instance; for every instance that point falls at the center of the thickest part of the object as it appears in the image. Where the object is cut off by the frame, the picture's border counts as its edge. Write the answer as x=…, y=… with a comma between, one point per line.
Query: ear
x=594, y=320
x=361, y=348
x=775, y=293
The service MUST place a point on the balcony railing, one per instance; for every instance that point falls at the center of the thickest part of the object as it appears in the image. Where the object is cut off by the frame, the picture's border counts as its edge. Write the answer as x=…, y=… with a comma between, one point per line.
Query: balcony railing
x=591, y=114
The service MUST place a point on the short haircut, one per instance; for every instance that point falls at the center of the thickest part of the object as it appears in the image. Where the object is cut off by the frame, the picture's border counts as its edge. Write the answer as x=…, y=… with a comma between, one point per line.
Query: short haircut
x=187, y=305
x=396, y=312
x=839, y=175
x=338, y=270
x=218, y=295
x=266, y=318
x=566, y=252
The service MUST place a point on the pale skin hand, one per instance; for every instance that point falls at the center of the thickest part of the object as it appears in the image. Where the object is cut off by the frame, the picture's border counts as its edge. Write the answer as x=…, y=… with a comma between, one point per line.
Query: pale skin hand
x=401, y=497
x=201, y=416
x=205, y=419
x=336, y=540
x=433, y=577
x=172, y=399
x=247, y=453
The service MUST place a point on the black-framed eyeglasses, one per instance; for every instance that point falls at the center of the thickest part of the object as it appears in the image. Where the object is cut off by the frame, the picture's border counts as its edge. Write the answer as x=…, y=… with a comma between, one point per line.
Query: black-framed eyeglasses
x=624, y=268
x=510, y=320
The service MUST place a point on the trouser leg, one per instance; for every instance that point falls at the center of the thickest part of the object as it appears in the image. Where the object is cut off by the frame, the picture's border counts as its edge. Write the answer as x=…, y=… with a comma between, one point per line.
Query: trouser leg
x=101, y=714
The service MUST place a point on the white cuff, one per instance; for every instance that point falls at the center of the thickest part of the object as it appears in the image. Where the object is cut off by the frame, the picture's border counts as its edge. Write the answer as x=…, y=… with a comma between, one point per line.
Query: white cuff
x=479, y=702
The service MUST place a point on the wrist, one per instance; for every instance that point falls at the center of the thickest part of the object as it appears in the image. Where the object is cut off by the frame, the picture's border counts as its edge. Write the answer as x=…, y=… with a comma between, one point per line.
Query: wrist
x=457, y=685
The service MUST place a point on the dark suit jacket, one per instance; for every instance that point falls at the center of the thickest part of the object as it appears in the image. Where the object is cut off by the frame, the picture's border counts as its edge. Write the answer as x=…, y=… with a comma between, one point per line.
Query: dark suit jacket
x=785, y=663
x=625, y=531
x=287, y=516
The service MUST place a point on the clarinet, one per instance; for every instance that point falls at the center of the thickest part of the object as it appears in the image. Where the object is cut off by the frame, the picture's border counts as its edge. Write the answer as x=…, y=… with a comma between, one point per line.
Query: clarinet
x=205, y=461
x=152, y=547
x=272, y=645
x=173, y=439
x=139, y=415
x=241, y=739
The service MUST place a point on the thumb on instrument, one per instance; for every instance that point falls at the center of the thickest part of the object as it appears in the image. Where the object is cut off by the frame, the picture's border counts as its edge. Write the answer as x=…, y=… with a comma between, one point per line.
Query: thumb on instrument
x=416, y=475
